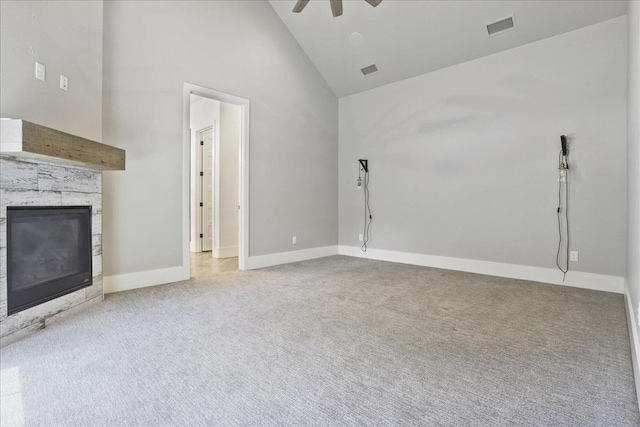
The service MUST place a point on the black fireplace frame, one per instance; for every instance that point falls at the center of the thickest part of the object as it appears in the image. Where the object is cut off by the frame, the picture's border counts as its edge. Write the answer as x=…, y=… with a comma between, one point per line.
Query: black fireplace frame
x=47, y=291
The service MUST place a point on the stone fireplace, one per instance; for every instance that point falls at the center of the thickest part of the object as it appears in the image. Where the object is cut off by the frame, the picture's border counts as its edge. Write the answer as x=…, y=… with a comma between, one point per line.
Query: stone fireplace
x=68, y=174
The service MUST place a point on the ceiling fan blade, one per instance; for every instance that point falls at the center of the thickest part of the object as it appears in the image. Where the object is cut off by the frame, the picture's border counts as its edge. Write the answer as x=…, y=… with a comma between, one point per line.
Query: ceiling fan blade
x=300, y=5
x=336, y=7
x=374, y=3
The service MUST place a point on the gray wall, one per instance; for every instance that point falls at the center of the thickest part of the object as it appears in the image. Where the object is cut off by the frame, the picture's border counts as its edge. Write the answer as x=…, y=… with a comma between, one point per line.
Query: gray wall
x=242, y=48
x=464, y=160
x=633, y=161
x=65, y=36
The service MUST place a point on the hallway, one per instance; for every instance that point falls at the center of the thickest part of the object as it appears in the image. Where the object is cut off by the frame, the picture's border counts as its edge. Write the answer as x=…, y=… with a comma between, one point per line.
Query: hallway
x=203, y=264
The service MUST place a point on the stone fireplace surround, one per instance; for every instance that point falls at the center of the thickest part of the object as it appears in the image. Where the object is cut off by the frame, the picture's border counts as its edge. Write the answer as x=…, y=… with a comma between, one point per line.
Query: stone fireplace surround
x=40, y=180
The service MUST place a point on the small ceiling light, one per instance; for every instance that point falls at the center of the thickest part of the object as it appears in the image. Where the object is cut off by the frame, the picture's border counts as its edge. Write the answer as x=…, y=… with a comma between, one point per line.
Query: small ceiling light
x=356, y=39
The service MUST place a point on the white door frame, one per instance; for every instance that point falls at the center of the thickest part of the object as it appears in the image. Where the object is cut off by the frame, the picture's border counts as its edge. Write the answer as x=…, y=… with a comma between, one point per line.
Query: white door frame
x=243, y=207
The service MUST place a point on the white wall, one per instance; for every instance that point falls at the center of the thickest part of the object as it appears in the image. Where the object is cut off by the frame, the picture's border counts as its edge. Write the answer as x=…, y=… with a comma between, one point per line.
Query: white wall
x=203, y=114
x=228, y=184
x=633, y=181
x=464, y=163
x=65, y=36
x=150, y=49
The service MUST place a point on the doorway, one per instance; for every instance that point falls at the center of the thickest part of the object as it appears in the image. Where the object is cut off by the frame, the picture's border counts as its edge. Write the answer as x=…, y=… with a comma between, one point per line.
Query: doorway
x=216, y=191
x=201, y=188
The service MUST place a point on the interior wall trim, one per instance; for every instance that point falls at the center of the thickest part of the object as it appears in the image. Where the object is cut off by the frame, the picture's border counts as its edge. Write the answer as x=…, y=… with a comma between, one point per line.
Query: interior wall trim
x=576, y=279
x=633, y=338
x=292, y=256
x=143, y=279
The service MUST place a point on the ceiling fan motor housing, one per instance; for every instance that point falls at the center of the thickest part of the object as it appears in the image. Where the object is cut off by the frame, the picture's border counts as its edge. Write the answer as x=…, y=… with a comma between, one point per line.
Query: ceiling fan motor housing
x=336, y=6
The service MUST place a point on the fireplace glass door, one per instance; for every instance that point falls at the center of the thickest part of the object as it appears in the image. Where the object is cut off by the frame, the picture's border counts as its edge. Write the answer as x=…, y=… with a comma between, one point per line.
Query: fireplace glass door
x=48, y=253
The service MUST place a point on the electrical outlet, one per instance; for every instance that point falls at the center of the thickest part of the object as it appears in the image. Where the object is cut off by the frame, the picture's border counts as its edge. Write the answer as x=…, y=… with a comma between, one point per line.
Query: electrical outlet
x=41, y=71
x=360, y=238
x=573, y=256
x=294, y=240
x=64, y=83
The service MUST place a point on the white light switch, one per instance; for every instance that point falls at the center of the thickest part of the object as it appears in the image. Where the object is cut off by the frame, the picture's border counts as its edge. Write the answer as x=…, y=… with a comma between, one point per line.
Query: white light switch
x=294, y=240
x=64, y=83
x=41, y=71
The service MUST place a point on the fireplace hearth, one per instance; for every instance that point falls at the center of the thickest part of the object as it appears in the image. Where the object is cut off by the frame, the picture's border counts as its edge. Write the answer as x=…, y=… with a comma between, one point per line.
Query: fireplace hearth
x=48, y=253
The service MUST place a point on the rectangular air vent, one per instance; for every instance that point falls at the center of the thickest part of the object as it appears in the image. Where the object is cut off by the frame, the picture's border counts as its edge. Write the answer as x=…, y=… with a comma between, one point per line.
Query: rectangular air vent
x=501, y=26
x=369, y=69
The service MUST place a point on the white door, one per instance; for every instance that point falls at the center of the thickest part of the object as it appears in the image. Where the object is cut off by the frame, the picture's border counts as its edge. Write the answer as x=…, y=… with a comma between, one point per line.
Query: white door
x=206, y=143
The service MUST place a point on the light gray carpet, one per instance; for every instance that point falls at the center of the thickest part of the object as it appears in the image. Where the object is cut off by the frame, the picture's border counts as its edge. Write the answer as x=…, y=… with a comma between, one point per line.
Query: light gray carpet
x=335, y=341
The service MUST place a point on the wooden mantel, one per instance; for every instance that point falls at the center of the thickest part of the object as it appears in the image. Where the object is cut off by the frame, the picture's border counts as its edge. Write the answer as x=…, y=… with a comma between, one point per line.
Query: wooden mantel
x=20, y=138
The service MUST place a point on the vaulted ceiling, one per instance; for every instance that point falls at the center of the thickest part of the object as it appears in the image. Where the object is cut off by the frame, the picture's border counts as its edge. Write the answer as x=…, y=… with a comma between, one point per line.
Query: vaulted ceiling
x=408, y=38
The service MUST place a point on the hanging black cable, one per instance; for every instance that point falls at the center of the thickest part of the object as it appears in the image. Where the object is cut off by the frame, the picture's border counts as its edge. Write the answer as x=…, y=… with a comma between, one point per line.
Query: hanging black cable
x=566, y=221
x=368, y=217
x=562, y=184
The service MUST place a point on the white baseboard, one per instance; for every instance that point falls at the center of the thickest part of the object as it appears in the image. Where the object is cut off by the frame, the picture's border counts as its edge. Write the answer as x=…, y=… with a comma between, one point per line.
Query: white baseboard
x=538, y=274
x=293, y=256
x=633, y=337
x=225, y=252
x=576, y=279
x=142, y=279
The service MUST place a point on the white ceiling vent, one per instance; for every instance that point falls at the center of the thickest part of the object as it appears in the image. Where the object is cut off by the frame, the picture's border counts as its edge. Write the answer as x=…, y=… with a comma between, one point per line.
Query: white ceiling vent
x=369, y=69
x=501, y=26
